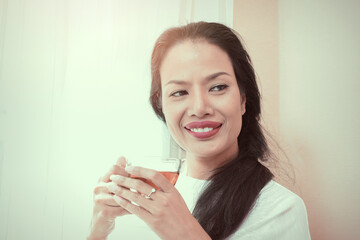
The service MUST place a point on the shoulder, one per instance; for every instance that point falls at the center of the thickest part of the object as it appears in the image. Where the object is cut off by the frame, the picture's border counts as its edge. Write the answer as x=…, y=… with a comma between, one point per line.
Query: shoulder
x=278, y=202
x=276, y=198
x=278, y=213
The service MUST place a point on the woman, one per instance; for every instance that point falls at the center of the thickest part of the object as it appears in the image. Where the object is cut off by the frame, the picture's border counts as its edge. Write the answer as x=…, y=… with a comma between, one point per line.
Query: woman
x=204, y=89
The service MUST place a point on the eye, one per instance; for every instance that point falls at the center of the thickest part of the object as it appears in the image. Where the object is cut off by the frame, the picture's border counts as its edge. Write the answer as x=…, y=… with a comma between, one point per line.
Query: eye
x=178, y=93
x=218, y=88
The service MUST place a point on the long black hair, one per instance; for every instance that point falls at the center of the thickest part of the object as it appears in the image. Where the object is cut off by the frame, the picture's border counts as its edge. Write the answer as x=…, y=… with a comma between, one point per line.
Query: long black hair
x=233, y=187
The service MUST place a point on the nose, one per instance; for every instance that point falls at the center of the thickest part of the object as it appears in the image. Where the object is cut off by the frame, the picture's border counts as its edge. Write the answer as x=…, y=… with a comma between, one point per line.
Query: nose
x=200, y=105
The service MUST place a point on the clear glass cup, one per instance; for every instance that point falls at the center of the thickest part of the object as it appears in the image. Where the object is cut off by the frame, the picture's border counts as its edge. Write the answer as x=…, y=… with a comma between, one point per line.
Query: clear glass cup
x=169, y=167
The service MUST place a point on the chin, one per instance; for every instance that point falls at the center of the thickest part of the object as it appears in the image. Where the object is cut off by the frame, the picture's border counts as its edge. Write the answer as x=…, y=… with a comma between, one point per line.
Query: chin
x=204, y=153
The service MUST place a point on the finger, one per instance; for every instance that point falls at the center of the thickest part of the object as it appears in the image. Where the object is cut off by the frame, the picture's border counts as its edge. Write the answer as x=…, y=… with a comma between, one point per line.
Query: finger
x=101, y=187
x=108, y=207
x=136, y=210
x=115, y=169
x=131, y=183
x=134, y=197
x=156, y=177
x=104, y=187
x=105, y=200
x=121, y=162
x=112, y=170
x=112, y=212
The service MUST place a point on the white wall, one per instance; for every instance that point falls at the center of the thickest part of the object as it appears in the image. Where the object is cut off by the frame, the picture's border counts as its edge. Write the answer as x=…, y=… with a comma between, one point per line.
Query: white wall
x=319, y=44
x=307, y=58
x=74, y=87
x=73, y=97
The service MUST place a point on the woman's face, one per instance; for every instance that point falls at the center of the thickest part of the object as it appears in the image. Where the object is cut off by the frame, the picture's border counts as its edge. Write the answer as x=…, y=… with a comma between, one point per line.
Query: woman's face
x=201, y=100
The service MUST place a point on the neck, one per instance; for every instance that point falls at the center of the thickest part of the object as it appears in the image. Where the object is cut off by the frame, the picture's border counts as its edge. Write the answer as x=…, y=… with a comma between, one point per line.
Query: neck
x=201, y=167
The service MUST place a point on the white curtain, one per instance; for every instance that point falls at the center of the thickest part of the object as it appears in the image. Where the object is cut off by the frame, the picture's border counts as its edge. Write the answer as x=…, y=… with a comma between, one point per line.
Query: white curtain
x=74, y=86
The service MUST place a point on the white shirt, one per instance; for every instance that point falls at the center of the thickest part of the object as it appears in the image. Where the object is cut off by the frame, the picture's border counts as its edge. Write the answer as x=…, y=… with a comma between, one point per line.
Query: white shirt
x=278, y=214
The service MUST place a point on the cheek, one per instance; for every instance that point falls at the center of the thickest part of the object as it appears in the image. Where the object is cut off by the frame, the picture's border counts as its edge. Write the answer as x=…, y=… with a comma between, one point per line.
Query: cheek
x=236, y=121
x=234, y=112
x=172, y=116
x=173, y=122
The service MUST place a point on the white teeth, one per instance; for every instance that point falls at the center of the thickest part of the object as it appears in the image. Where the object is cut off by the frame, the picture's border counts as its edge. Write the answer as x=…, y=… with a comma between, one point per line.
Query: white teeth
x=201, y=129
x=208, y=129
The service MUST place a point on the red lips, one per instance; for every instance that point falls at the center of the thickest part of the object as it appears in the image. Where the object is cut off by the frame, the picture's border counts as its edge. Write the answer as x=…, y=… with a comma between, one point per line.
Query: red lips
x=205, y=124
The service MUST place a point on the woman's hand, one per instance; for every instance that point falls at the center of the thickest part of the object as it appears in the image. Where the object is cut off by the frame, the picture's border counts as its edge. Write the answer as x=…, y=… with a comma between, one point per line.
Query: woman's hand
x=105, y=208
x=165, y=211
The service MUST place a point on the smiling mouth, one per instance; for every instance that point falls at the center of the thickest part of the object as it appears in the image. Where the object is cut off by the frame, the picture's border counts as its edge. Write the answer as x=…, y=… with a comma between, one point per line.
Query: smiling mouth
x=199, y=130
x=203, y=130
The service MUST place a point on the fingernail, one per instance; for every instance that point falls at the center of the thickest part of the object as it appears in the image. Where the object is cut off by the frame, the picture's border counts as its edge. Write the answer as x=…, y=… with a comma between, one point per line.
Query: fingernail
x=129, y=169
x=112, y=188
x=114, y=177
x=118, y=200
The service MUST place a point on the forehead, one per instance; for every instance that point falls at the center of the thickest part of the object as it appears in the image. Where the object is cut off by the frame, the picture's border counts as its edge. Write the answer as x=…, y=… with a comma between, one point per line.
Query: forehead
x=189, y=59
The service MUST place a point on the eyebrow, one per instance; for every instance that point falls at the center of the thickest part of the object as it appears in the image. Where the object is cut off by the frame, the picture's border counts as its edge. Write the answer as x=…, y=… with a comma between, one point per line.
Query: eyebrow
x=208, y=78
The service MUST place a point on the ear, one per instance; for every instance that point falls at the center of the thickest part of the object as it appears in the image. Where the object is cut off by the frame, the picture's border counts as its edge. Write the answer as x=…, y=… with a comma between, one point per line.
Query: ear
x=243, y=104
